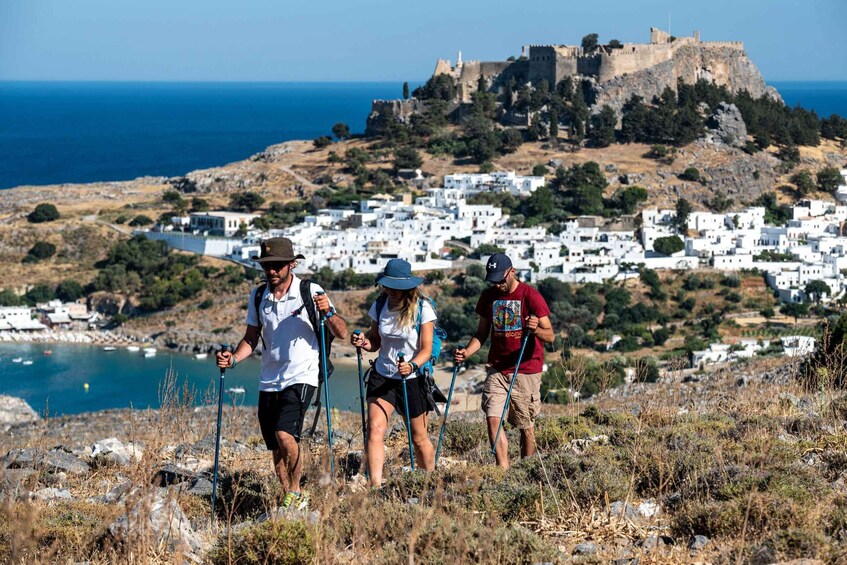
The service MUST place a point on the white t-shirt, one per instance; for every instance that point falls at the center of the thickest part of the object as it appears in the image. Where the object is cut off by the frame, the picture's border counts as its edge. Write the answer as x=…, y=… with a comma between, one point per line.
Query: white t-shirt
x=292, y=350
x=396, y=339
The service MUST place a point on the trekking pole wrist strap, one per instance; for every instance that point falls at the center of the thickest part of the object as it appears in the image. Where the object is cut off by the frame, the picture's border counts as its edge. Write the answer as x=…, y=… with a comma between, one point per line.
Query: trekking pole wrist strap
x=233, y=361
x=414, y=366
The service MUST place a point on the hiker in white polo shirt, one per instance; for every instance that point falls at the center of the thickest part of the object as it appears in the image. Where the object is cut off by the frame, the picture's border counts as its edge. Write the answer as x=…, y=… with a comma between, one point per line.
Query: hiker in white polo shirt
x=278, y=315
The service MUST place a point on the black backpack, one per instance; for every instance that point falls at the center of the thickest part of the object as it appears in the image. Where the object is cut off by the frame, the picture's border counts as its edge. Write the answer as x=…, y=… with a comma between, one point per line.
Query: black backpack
x=309, y=305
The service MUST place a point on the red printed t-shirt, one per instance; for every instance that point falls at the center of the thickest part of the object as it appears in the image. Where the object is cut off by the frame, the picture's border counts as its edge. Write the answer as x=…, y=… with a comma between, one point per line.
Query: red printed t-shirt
x=507, y=314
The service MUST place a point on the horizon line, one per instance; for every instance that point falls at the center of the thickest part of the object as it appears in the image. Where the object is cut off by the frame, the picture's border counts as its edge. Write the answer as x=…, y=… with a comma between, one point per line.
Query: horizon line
x=301, y=81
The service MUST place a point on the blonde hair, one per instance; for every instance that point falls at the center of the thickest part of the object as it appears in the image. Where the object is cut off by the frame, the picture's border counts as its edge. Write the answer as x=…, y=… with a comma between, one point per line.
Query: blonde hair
x=408, y=305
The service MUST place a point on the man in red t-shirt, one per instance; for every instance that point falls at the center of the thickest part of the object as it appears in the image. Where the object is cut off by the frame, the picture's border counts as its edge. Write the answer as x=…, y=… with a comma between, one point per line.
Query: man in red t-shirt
x=507, y=310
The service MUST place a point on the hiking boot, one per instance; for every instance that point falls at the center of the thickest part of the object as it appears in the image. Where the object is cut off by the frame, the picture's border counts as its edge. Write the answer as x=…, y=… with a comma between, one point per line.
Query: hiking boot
x=289, y=499
x=295, y=501
x=302, y=503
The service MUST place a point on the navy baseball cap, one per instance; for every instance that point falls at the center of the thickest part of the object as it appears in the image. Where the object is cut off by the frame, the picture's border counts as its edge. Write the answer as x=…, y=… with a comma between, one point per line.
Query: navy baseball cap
x=496, y=267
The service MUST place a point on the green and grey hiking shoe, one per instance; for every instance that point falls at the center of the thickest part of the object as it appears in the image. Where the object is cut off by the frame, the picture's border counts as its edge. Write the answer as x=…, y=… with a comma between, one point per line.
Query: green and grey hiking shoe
x=295, y=501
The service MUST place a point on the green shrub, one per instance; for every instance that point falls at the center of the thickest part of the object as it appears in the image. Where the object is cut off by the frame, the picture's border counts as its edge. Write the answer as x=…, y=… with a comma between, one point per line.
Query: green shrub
x=461, y=436
x=274, y=541
x=42, y=250
x=69, y=291
x=140, y=220
x=43, y=213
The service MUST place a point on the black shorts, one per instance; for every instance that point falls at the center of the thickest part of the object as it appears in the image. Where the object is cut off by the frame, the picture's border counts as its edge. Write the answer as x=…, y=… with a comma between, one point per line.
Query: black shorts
x=391, y=390
x=283, y=411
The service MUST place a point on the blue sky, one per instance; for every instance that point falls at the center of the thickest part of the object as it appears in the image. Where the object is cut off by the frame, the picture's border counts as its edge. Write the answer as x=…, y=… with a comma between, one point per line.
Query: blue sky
x=284, y=40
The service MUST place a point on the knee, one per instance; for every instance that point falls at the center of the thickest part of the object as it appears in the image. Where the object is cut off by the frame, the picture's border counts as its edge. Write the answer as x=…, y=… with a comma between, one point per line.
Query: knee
x=286, y=441
x=376, y=429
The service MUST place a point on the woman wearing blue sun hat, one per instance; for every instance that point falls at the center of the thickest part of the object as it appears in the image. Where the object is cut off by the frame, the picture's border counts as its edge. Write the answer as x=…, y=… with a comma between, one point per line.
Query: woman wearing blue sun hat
x=402, y=322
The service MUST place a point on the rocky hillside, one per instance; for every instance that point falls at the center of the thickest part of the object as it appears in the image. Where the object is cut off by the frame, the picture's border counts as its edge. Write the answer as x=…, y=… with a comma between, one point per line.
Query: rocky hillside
x=723, y=65
x=734, y=466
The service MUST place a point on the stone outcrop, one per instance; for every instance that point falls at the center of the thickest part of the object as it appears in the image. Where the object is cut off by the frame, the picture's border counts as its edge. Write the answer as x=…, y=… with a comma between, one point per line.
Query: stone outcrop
x=723, y=65
x=14, y=411
x=109, y=303
x=728, y=124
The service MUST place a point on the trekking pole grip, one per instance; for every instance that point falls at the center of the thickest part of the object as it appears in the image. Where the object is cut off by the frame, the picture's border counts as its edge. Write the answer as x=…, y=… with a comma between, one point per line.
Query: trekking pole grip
x=224, y=349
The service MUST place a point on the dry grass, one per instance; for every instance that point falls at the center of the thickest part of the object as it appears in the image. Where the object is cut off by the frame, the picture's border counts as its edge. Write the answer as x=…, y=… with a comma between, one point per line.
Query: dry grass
x=759, y=470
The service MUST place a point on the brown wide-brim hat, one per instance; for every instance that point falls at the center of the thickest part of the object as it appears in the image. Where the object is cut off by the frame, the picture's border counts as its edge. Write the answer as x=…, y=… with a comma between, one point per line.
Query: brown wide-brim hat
x=276, y=249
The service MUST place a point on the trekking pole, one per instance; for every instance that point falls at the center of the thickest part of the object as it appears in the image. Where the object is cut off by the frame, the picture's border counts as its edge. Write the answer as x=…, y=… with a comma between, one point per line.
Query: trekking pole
x=446, y=411
x=400, y=356
x=326, y=393
x=509, y=394
x=362, y=392
x=224, y=348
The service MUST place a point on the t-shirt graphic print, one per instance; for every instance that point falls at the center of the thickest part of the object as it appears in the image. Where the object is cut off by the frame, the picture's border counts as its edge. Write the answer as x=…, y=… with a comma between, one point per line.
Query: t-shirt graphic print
x=507, y=317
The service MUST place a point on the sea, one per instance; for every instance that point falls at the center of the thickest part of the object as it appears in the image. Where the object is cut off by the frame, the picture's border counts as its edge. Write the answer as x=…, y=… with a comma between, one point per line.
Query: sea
x=82, y=378
x=86, y=132
x=75, y=132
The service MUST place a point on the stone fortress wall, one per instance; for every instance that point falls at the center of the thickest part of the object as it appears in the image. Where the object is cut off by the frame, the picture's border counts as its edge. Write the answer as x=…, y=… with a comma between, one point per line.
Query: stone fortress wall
x=555, y=62
x=615, y=74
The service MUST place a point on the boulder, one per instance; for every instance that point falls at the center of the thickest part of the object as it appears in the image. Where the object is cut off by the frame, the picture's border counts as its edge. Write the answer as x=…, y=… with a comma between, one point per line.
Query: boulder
x=51, y=493
x=728, y=124
x=585, y=548
x=161, y=517
x=14, y=411
x=115, y=451
x=51, y=461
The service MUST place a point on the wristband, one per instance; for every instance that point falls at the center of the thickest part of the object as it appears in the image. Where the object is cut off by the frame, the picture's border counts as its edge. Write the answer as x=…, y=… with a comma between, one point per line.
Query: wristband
x=414, y=366
x=330, y=313
x=234, y=361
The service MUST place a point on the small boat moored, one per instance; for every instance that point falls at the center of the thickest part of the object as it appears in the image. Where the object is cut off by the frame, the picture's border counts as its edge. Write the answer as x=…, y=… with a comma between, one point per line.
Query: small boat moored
x=109, y=348
x=27, y=362
x=133, y=348
x=17, y=360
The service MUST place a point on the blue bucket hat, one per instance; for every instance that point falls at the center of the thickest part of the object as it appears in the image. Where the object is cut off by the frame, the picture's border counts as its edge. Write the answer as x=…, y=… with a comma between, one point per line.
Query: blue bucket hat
x=397, y=275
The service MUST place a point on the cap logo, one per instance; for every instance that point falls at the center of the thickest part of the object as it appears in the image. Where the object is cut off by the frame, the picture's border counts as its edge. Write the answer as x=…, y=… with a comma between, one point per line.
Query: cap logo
x=492, y=265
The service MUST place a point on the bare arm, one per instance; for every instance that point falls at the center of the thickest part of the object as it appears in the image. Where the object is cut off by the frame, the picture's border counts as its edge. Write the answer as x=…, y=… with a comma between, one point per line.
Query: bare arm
x=483, y=330
x=242, y=351
x=542, y=328
x=337, y=325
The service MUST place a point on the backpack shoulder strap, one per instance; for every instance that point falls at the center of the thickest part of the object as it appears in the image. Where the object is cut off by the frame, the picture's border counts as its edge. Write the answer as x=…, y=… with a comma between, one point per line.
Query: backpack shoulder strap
x=309, y=304
x=257, y=302
x=381, y=300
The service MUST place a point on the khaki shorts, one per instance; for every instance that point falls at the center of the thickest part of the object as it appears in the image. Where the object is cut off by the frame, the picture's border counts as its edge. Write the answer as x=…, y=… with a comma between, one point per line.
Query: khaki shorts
x=525, y=403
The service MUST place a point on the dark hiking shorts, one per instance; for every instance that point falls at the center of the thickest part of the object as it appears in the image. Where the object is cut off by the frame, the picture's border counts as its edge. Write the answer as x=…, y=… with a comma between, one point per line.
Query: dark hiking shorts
x=391, y=390
x=283, y=411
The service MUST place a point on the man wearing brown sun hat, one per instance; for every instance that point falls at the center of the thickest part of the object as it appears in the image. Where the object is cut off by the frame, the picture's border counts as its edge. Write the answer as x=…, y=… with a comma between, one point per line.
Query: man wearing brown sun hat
x=281, y=314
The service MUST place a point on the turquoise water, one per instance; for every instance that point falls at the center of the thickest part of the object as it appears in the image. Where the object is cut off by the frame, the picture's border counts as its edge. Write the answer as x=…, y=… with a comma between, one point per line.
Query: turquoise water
x=119, y=379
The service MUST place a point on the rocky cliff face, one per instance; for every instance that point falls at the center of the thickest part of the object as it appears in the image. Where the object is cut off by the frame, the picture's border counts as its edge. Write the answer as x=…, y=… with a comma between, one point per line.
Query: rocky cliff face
x=722, y=65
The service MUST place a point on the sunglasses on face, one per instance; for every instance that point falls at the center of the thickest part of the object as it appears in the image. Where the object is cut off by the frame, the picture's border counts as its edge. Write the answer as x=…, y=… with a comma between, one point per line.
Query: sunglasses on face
x=276, y=265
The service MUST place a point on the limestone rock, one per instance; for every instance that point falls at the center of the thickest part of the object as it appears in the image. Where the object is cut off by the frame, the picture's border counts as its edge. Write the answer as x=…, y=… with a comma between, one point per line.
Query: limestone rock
x=115, y=451
x=698, y=542
x=585, y=548
x=728, y=124
x=14, y=411
x=51, y=493
x=161, y=517
x=32, y=458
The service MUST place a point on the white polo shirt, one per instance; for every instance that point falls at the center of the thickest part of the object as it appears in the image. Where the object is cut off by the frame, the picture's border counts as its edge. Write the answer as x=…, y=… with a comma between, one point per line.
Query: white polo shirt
x=292, y=350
